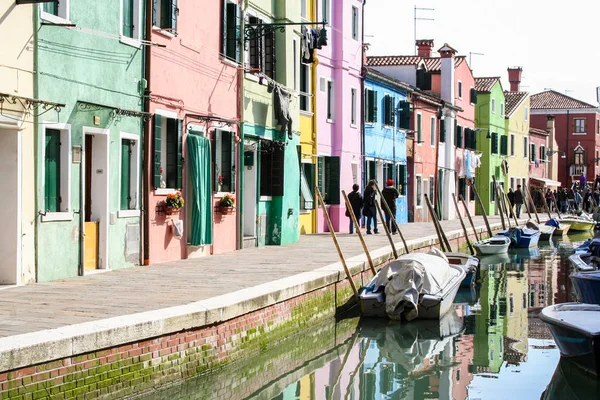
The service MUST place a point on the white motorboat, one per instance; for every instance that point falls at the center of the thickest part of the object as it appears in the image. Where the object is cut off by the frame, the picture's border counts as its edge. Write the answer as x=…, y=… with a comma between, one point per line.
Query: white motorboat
x=415, y=286
x=494, y=245
x=469, y=264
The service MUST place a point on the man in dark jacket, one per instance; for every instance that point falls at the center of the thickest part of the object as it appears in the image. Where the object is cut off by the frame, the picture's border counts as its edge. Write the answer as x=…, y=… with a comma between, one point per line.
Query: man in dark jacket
x=356, y=202
x=511, y=200
x=518, y=198
x=370, y=209
x=390, y=194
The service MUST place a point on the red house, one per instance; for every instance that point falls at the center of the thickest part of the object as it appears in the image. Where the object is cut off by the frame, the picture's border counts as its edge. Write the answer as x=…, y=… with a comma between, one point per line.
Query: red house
x=577, y=127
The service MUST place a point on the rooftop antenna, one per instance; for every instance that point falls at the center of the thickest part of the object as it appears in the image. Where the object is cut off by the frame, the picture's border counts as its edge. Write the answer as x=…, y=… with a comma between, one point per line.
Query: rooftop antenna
x=471, y=54
x=417, y=18
x=598, y=94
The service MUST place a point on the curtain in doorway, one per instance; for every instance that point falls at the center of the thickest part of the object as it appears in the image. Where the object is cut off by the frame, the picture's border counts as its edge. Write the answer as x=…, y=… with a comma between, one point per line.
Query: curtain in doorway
x=199, y=158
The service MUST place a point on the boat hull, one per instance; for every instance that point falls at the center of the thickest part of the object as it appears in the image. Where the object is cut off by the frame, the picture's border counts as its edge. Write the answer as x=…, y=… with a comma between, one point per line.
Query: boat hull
x=587, y=286
x=469, y=263
x=563, y=230
x=579, y=225
x=487, y=247
x=523, y=240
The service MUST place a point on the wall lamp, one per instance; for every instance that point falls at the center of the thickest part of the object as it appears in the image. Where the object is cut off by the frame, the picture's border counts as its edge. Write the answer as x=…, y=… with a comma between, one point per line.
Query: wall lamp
x=551, y=151
x=488, y=136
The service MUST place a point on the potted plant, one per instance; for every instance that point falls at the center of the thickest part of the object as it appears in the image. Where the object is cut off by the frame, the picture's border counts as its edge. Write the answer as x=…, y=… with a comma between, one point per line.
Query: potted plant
x=173, y=203
x=219, y=183
x=226, y=204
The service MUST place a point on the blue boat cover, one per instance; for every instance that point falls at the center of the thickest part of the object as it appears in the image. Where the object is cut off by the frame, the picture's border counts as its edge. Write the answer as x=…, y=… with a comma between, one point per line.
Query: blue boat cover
x=553, y=222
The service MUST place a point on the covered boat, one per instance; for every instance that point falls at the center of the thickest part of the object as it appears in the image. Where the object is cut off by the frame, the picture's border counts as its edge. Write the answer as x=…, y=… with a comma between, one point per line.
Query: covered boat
x=414, y=286
x=560, y=229
x=522, y=237
x=495, y=245
x=576, y=331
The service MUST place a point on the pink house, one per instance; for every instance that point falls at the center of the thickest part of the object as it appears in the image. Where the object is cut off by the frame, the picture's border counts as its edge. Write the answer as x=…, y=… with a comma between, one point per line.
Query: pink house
x=338, y=108
x=191, y=143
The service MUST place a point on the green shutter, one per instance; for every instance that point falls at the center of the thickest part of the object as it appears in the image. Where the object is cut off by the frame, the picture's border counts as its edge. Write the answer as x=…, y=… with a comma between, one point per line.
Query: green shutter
x=321, y=174
x=52, y=171
x=374, y=119
x=213, y=154
x=442, y=131
x=419, y=128
x=402, y=179
x=404, y=115
x=474, y=96
x=232, y=162
x=278, y=172
x=51, y=7
x=494, y=142
x=459, y=136
x=503, y=145
x=332, y=179
x=125, y=174
x=157, y=149
x=179, y=154
x=128, y=18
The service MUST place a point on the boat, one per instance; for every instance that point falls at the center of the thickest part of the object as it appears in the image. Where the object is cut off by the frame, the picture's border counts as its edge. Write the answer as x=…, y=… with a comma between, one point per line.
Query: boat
x=469, y=263
x=571, y=383
x=522, y=237
x=494, y=245
x=586, y=275
x=546, y=231
x=414, y=286
x=576, y=331
x=561, y=229
x=577, y=223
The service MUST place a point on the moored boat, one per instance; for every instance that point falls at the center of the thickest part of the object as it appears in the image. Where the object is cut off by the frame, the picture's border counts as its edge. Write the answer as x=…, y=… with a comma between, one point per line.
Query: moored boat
x=493, y=245
x=576, y=331
x=546, y=231
x=469, y=263
x=571, y=383
x=561, y=229
x=522, y=237
x=578, y=223
x=415, y=286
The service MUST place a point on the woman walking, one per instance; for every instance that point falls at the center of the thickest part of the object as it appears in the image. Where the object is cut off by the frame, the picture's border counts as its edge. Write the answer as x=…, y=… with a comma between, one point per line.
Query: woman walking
x=369, y=209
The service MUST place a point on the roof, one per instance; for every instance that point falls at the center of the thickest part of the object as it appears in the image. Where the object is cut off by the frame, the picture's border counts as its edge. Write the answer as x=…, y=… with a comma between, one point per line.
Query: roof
x=538, y=131
x=485, y=85
x=513, y=101
x=432, y=64
x=551, y=99
x=373, y=73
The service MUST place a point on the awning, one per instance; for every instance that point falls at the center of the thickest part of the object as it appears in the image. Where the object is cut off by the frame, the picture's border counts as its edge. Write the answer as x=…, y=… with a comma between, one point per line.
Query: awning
x=546, y=182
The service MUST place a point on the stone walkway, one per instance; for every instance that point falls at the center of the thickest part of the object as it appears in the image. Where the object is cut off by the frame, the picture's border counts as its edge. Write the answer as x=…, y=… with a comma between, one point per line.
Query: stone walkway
x=145, y=288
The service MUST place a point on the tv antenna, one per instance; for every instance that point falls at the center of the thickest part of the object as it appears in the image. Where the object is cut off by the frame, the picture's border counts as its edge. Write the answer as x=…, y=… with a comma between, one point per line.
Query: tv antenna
x=417, y=18
x=473, y=54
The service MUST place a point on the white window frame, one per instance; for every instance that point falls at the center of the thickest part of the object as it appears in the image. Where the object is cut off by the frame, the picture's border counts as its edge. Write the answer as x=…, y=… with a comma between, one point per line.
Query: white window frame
x=218, y=162
x=493, y=105
x=417, y=128
x=460, y=90
x=308, y=93
x=545, y=159
x=329, y=81
x=584, y=126
x=65, y=213
x=134, y=185
x=501, y=109
x=355, y=24
x=163, y=146
x=417, y=199
x=135, y=41
x=432, y=131
x=63, y=13
x=353, y=105
x=526, y=147
x=512, y=145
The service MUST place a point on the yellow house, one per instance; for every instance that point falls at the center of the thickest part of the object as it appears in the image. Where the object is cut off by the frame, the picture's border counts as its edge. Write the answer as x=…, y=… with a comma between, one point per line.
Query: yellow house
x=308, y=135
x=517, y=127
x=516, y=326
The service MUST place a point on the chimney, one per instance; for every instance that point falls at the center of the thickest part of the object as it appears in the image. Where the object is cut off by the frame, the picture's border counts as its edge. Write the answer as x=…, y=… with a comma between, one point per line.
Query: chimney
x=447, y=54
x=514, y=77
x=552, y=166
x=424, y=47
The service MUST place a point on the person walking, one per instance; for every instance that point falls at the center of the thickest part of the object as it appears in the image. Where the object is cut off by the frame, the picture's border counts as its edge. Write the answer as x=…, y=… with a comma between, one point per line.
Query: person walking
x=369, y=208
x=356, y=202
x=390, y=194
x=549, y=198
x=518, y=199
x=511, y=200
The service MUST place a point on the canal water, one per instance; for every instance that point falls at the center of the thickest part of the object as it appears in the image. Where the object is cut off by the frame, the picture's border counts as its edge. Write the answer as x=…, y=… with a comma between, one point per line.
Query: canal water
x=492, y=346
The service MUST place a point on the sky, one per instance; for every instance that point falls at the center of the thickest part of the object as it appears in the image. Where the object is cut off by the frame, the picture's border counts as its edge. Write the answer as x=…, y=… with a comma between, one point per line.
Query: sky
x=556, y=43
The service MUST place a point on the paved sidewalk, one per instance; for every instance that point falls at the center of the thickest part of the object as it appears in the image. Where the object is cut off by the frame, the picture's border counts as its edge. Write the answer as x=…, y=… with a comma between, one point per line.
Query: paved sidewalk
x=145, y=288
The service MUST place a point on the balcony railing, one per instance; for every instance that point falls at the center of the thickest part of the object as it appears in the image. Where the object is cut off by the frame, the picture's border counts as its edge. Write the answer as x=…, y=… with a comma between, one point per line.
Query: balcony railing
x=578, y=169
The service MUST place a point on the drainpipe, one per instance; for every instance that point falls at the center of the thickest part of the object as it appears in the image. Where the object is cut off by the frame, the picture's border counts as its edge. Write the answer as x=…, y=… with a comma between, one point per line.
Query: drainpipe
x=240, y=169
x=437, y=155
x=567, y=176
x=144, y=224
x=36, y=147
x=362, y=96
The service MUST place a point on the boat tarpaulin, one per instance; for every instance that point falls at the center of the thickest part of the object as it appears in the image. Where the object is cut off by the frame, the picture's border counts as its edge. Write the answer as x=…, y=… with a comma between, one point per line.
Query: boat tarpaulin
x=409, y=277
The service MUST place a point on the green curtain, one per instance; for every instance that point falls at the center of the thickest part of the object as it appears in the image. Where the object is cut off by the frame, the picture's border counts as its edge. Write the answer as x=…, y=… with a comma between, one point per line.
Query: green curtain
x=199, y=156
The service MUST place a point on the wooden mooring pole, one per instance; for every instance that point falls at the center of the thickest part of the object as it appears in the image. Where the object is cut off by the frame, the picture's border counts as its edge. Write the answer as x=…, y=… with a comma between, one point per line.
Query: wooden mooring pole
x=360, y=236
x=387, y=207
x=483, y=213
x=499, y=203
x=462, y=224
x=387, y=231
x=438, y=225
x=537, y=217
x=469, y=216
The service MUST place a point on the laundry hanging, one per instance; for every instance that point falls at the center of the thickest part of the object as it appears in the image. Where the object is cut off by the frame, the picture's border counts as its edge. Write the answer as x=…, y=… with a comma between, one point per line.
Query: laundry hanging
x=282, y=99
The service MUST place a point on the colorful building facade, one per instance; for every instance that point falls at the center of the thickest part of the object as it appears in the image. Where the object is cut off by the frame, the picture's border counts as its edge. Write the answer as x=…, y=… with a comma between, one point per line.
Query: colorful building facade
x=88, y=168
x=192, y=143
x=17, y=101
x=387, y=119
x=338, y=107
x=491, y=140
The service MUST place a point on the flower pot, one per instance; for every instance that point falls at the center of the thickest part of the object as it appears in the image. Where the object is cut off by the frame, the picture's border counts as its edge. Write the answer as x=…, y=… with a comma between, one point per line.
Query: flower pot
x=171, y=210
x=226, y=210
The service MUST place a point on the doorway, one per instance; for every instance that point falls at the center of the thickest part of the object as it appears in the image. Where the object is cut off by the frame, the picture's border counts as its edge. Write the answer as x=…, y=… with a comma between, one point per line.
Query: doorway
x=10, y=212
x=95, y=193
x=249, y=201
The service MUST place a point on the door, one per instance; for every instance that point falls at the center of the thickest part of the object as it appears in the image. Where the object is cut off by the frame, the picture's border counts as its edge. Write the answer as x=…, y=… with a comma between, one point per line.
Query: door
x=90, y=229
x=250, y=190
x=10, y=212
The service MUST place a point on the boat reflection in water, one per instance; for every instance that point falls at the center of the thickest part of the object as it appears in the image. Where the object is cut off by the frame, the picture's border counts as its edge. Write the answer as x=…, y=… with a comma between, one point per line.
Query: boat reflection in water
x=570, y=382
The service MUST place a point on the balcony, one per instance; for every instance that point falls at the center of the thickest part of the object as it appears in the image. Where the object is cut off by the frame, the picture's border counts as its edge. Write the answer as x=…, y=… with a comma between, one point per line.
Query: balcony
x=578, y=170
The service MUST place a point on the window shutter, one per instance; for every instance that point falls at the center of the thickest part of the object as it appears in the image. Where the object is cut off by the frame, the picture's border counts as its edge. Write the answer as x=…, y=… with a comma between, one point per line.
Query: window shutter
x=255, y=56
x=459, y=137
x=125, y=174
x=52, y=171
x=321, y=175
x=404, y=115
x=173, y=15
x=154, y=12
x=215, y=138
x=374, y=106
x=128, y=18
x=278, y=172
x=392, y=111
x=270, y=69
x=474, y=96
x=179, y=154
x=402, y=179
x=332, y=182
x=51, y=7
x=233, y=162
x=474, y=136
x=494, y=143
x=165, y=13
x=503, y=145
x=157, y=149
x=442, y=131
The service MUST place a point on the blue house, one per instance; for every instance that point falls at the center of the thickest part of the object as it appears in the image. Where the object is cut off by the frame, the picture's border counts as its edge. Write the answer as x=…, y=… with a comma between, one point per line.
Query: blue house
x=386, y=121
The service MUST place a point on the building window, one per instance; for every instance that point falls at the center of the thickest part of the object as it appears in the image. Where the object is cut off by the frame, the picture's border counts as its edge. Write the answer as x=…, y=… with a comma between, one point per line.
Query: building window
x=579, y=125
x=532, y=152
x=512, y=145
x=305, y=88
x=307, y=183
x=419, y=128
x=326, y=11
x=432, y=130
x=543, y=153
x=598, y=127
x=261, y=51
x=502, y=109
x=504, y=145
x=165, y=15
x=525, y=147
x=462, y=187
x=56, y=176
x=388, y=171
x=131, y=25
x=272, y=169
x=223, y=148
x=56, y=8
x=370, y=106
x=471, y=190
x=512, y=182
x=526, y=111
x=404, y=114
x=330, y=100
x=401, y=178
x=231, y=31
x=388, y=110
x=460, y=90
x=473, y=96
x=168, y=161
x=304, y=9
x=579, y=157
x=459, y=142
x=470, y=139
x=419, y=194
x=353, y=105
x=370, y=169
x=442, y=131
x=130, y=164
x=494, y=142
x=431, y=187
x=493, y=106
x=354, y=23
x=329, y=179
